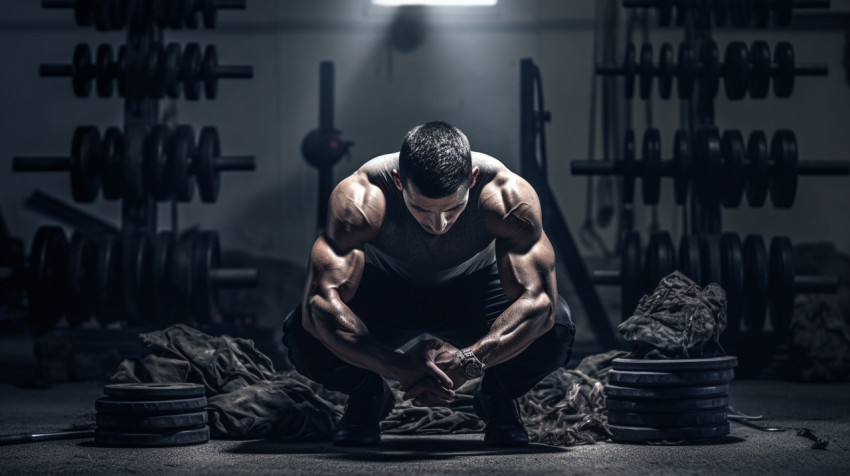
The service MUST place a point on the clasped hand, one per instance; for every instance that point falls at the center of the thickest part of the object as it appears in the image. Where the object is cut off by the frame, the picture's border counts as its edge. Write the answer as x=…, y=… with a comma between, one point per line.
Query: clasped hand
x=434, y=373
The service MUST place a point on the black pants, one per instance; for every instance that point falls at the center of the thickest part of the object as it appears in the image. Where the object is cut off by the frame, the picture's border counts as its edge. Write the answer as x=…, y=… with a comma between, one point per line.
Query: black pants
x=459, y=312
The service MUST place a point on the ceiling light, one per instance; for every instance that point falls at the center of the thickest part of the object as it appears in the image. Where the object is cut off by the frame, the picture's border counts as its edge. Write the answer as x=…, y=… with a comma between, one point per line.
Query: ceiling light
x=436, y=3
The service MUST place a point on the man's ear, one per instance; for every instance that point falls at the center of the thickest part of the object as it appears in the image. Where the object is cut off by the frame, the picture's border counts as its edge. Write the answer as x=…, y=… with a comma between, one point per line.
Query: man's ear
x=475, y=171
x=397, y=180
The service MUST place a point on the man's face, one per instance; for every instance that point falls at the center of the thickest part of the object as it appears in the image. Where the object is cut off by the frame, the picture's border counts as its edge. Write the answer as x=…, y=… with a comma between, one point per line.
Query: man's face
x=435, y=215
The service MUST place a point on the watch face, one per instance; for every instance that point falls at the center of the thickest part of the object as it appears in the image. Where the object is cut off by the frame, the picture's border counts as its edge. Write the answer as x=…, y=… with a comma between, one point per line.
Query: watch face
x=472, y=369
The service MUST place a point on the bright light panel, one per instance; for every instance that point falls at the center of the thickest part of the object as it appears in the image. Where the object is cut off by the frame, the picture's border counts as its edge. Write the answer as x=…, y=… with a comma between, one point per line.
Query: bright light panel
x=436, y=3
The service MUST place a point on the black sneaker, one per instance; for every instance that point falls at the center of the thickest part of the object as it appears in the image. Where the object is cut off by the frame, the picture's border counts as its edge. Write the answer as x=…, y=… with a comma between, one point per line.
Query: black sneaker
x=367, y=405
x=503, y=423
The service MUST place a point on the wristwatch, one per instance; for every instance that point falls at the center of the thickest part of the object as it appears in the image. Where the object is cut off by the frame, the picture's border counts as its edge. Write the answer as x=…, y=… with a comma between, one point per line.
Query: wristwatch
x=469, y=363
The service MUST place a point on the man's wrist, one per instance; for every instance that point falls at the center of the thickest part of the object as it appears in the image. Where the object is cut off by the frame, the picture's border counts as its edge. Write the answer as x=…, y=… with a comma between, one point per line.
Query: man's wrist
x=471, y=366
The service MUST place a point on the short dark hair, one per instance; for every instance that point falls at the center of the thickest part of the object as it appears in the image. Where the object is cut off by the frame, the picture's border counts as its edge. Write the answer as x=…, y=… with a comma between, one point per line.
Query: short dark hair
x=436, y=158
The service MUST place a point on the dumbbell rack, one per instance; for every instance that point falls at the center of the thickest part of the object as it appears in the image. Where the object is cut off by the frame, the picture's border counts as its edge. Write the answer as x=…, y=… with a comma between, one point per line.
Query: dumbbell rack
x=145, y=72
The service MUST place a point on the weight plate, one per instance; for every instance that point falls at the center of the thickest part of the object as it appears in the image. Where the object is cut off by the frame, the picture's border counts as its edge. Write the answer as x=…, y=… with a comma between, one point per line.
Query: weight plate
x=783, y=154
x=783, y=77
x=782, y=12
x=149, y=407
x=733, y=168
x=181, y=151
x=676, y=365
x=154, y=391
x=173, y=60
x=705, y=378
x=689, y=257
x=666, y=70
x=155, y=71
x=629, y=167
x=758, y=168
x=732, y=264
x=119, y=14
x=681, y=166
x=112, y=155
x=736, y=65
x=103, y=71
x=707, y=164
x=181, y=278
x=761, y=12
x=176, y=438
x=82, y=71
x=781, y=284
x=207, y=252
x=709, y=78
x=719, y=11
x=83, y=12
x=755, y=282
x=191, y=71
x=651, y=184
x=667, y=393
x=134, y=163
x=121, y=65
x=633, y=433
x=134, y=423
x=190, y=13
x=47, y=278
x=103, y=15
x=158, y=178
x=668, y=405
x=82, y=277
x=665, y=12
x=174, y=11
x=209, y=13
x=161, y=272
x=646, y=70
x=633, y=284
x=210, y=72
x=668, y=420
x=139, y=278
x=759, y=80
x=85, y=159
x=660, y=258
x=160, y=12
x=629, y=71
x=108, y=305
x=209, y=150
x=686, y=72
x=740, y=12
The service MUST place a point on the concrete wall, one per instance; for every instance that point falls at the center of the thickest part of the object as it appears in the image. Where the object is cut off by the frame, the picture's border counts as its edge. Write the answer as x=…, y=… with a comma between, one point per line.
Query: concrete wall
x=465, y=72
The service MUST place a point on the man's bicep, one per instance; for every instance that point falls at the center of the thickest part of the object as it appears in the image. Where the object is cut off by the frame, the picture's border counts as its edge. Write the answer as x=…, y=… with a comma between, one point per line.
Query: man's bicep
x=526, y=266
x=333, y=273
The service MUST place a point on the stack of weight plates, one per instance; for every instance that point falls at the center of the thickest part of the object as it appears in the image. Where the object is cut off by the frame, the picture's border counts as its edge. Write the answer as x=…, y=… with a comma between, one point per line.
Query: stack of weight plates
x=669, y=400
x=152, y=414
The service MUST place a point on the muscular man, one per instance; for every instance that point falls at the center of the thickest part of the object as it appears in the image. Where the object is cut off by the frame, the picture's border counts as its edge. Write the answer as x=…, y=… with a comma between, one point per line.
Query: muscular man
x=434, y=239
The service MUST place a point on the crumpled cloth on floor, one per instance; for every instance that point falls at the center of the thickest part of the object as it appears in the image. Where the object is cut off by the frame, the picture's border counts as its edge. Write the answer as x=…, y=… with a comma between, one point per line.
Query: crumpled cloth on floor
x=248, y=399
x=677, y=321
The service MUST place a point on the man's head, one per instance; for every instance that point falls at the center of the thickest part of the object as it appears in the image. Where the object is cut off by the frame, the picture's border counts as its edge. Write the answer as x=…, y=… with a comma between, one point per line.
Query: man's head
x=435, y=174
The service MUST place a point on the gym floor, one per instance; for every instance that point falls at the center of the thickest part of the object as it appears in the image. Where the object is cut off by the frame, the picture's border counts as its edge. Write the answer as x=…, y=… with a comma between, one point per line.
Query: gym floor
x=823, y=408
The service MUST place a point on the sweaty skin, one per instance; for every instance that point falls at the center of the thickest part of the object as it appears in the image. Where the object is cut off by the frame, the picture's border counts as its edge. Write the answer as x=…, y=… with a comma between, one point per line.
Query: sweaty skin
x=429, y=371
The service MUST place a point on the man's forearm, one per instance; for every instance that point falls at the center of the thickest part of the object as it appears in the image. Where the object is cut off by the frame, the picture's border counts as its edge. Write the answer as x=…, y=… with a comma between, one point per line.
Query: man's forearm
x=515, y=329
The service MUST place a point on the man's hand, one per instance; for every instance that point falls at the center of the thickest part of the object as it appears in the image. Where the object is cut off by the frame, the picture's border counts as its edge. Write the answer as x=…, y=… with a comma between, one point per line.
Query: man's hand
x=446, y=359
x=417, y=364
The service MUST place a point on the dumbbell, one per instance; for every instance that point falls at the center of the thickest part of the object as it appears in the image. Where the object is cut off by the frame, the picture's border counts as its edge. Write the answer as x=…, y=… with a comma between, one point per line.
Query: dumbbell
x=179, y=13
x=104, y=14
x=743, y=13
x=750, y=70
x=82, y=70
x=650, y=168
x=706, y=9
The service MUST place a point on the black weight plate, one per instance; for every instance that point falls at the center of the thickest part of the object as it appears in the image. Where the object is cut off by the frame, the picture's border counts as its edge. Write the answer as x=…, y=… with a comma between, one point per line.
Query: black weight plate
x=719, y=11
x=112, y=156
x=645, y=70
x=161, y=281
x=109, y=305
x=82, y=277
x=704, y=378
x=210, y=72
x=103, y=15
x=633, y=283
x=660, y=258
x=155, y=71
x=154, y=391
x=783, y=154
x=209, y=13
x=708, y=164
x=689, y=257
x=173, y=61
x=665, y=393
x=181, y=150
x=651, y=184
x=666, y=70
x=121, y=73
x=119, y=14
x=668, y=420
x=781, y=284
x=758, y=168
x=665, y=12
x=174, y=11
x=633, y=433
x=629, y=167
x=158, y=178
x=761, y=12
x=103, y=71
x=190, y=13
x=134, y=162
x=681, y=166
x=755, y=282
x=160, y=12
x=149, y=407
x=191, y=71
x=83, y=71
x=181, y=277
x=686, y=70
x=139, y=278
x=83, y=12
x=736, y=65
x=740, y=12
x=676, y=365
x=134, y=423
x=732, y=258
x=759, y=81
x=175, y=438
x=207, y=253
x=629, y=71
x=732, y=151
x=668, y=405
x=85, y=159
x=709, y=77
x=47, y=285
x=782, y=12
x=783, y=76
x=209, y=150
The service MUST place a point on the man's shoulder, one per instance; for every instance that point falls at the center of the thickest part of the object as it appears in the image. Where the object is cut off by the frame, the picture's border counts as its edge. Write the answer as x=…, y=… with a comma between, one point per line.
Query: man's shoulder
x=357, y=205
x=509, y=202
